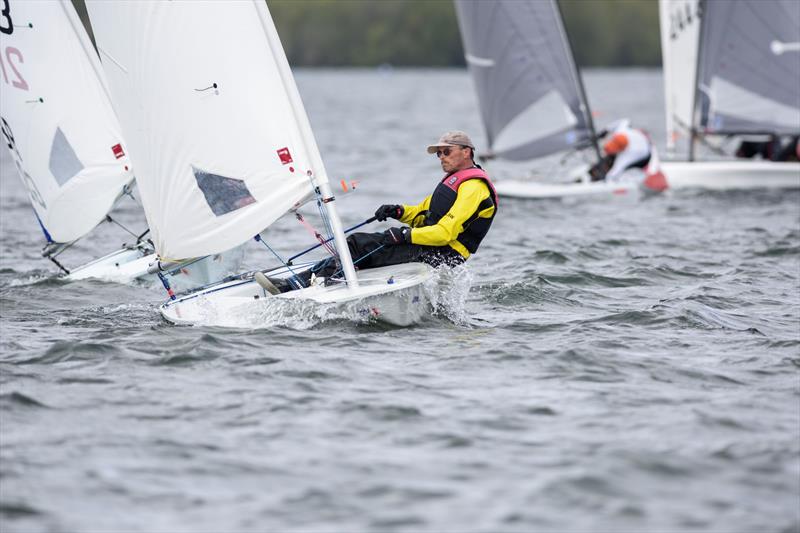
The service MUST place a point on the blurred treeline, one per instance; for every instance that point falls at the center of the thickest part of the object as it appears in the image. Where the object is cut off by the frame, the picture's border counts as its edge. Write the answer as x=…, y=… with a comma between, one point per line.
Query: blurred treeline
x=425, y=32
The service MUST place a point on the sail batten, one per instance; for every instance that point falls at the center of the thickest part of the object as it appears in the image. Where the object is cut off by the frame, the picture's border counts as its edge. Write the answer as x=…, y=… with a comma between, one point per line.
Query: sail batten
x=519, y=58
x=57, y=120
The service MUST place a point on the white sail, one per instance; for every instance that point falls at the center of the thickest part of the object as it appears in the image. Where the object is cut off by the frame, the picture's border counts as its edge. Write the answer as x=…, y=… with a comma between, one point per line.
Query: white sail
x=528, y=86
x=57, y=118
x=680, y=33
x=219, y=136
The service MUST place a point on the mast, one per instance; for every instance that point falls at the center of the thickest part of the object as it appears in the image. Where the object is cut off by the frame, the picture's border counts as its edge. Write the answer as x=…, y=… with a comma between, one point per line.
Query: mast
x=693, y=126
x=319, y=177
x=585, y=101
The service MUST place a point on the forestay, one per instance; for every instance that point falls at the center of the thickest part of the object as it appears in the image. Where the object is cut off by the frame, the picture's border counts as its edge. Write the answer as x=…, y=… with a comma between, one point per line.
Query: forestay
x=57, y=119
x=217, y=130
x=680, y=34
x=750, y=67
x=527, y=83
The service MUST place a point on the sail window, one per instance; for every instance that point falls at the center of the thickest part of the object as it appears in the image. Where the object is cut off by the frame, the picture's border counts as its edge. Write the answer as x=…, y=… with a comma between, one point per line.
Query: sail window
x=222, y=194
x=64, y=164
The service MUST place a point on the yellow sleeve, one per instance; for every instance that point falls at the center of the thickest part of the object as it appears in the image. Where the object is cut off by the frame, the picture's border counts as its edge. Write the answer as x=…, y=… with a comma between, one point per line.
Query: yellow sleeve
x=470, y=194
x=411, y=212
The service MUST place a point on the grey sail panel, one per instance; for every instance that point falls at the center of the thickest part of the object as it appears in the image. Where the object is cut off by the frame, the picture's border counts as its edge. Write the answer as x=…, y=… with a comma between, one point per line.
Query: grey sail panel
x=525, y=77
x=749, y=72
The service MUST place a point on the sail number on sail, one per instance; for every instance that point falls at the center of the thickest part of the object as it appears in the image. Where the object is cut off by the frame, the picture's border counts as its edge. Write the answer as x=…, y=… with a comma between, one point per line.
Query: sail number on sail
x=35, y=195
x=682, y=16
x=7, y=27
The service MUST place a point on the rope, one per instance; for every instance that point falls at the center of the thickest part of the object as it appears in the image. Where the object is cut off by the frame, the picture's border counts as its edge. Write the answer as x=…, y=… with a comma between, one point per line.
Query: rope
x=322, y=241
x=360, y=258
x=108, y=218
x=165, y=283
x=59, y=265
x=141, y=236
x=322, y=214
x=294, y=274
x=60, y=251
x=329, y=239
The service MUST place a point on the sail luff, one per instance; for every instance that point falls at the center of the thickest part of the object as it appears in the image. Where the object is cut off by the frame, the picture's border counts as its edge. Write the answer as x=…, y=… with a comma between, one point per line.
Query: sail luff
x=584, y=104
x=319, y=173
x=531, y=100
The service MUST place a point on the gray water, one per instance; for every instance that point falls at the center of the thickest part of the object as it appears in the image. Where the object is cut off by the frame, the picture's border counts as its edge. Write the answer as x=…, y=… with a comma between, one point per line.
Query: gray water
x=614, y=366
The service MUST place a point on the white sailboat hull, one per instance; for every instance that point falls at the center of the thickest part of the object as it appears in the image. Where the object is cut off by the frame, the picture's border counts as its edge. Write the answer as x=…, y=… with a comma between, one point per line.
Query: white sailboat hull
x=121, y=266
x=740, y=174
x=129, y=264
x=633, y=184
x=393, y=294
x=541, y=190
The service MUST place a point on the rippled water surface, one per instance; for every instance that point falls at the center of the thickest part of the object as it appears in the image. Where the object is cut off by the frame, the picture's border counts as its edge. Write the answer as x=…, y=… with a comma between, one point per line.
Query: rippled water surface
x=614, y=366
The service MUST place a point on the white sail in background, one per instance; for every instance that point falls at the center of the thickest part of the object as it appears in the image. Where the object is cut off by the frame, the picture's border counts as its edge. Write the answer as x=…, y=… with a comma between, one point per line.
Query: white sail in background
x=749, y=67
x=219, y=136
x=528, y=86
x=57, y=119
x=680, y=34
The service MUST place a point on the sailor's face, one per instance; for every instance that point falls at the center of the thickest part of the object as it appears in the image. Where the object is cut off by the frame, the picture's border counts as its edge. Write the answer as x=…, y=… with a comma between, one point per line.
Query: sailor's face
x=452, y=157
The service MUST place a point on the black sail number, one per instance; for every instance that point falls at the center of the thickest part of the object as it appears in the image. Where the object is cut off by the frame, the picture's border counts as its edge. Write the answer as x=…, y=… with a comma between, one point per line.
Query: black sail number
x=682, y=16
x=33, y=190
x=6, y=26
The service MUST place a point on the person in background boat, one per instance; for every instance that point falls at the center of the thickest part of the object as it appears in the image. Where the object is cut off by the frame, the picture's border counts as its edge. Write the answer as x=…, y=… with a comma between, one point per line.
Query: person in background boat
x=626, y=148
x=770, y=150
x=749, y=148
x=791, y=152
x=444, y=229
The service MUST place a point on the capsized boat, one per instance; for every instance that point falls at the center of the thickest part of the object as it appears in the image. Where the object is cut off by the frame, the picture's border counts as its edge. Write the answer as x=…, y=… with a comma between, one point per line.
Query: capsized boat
x=730, y=69
x=64, y=138
x=532, y=100
x=223, y=148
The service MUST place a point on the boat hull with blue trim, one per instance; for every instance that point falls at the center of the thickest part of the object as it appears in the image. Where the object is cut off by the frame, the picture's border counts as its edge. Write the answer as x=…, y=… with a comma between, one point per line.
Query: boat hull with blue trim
x=394, y=294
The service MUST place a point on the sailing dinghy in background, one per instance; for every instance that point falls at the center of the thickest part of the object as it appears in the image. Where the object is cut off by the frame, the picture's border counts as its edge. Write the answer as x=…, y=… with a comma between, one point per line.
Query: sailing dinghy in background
x=64, y=138
x=532, y=100
x=730, y=69
x=223, y=148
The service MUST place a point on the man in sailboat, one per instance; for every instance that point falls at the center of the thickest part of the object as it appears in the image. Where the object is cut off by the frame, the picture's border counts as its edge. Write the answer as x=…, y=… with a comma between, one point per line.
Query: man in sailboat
x=626, y=148
x=444, y=229
x=449, y=224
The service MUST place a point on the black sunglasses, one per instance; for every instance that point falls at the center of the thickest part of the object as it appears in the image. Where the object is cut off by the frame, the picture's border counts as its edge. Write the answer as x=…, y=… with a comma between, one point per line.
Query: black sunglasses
x=447, y=151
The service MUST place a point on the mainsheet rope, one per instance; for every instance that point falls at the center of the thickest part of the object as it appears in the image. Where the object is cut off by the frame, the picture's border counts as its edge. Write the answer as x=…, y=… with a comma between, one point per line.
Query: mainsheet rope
x=288, y=267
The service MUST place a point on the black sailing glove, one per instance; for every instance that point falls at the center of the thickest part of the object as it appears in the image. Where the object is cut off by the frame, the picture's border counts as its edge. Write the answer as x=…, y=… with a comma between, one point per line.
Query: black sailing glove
x=389, y=211
x=395, y=236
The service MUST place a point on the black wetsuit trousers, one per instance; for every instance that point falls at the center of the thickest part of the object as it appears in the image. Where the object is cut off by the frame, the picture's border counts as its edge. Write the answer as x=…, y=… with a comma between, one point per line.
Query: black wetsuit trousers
x=368, y=251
